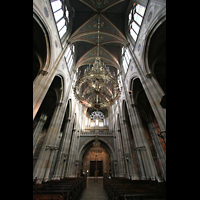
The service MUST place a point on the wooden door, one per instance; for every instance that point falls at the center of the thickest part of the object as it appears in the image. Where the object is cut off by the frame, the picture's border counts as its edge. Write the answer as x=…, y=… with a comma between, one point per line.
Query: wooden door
x=99, y=168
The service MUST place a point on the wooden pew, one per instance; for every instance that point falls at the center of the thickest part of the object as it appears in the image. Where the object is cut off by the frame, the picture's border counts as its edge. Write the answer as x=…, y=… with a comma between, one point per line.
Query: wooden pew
x=64, y=189
x=124, y=189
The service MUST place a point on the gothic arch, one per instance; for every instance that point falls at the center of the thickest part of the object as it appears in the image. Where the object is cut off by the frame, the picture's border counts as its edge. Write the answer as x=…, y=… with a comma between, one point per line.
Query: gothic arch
x=123, y=109
x=64, y=83
x=41, y=41
x=138, y=95
x=132, y=78
x=60, y=91
x=151, y=30
x=104, y=144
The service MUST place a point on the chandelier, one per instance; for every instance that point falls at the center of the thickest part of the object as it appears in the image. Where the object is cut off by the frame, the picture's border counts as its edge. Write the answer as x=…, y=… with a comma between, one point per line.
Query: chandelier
x=97, y=88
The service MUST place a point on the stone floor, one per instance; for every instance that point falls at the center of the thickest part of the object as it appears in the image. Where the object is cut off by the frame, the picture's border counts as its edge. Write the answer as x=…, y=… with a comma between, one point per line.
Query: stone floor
x=94, y=190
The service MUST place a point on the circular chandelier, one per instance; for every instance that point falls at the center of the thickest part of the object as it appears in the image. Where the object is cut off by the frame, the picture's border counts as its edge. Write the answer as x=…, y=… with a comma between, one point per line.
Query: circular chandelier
x=97, y=88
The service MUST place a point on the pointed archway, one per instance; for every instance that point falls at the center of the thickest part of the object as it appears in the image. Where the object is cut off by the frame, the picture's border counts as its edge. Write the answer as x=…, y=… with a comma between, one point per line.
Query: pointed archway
x=107, y=157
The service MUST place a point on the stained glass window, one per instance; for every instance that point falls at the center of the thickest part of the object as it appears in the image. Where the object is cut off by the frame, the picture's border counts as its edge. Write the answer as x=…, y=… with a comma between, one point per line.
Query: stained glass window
x=97, y=115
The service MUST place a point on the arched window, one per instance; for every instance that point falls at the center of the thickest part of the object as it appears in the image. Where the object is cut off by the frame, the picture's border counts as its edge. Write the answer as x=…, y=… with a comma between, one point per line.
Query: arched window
x=97, y=115
x=135, y=18
x=61, y=16
x=97, y=118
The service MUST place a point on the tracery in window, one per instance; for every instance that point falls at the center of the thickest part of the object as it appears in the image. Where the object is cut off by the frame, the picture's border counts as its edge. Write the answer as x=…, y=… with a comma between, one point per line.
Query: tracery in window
x=135, y=20
x=60, y=19
x=97, y=115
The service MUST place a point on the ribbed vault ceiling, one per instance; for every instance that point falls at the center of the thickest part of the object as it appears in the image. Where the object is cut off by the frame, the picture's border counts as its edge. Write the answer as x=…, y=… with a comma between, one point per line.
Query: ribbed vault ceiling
x=98, y=22
x=111, y=33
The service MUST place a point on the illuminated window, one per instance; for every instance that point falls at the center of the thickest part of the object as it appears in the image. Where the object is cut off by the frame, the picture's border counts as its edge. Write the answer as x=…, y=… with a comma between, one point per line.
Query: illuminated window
x=61, y=21
x=69, y=55
x=97, y=114
x=97, y=122
x=100, y=124
x=135, y=20
x=86, y=121
x=92, y=124
x=126, y=59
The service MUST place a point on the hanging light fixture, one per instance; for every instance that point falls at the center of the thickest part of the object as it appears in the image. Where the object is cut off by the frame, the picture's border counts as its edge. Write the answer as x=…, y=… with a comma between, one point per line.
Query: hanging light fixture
x=97, y=89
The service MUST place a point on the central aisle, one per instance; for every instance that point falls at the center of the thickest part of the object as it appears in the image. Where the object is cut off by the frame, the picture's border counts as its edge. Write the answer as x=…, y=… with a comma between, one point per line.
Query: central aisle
x=94, y=190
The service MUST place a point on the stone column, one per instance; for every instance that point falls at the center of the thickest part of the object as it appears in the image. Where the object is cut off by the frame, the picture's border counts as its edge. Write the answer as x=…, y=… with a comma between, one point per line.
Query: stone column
x=61, y=170
x=121, y=164
x=72, y=155
x=66, y=147
x=154, y=94
x=62, y=154
x=126, y=145
x=116, y=166
x=116, y=170
x=131, y=169
x=142, y=142
x=158, y=147
x=129, y=154
x=38, y=130
x=44, y=161
x=55, y=156
x=139, y=137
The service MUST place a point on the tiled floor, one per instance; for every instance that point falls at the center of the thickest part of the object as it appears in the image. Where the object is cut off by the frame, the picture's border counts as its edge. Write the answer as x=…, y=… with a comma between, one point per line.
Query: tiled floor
x=94, y=190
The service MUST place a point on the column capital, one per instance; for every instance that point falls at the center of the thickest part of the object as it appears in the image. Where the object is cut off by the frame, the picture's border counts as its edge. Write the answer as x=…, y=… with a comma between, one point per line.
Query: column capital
x=51, y=148
x=163, y=136
x=64, y=154
x=44, y=73
x=128, y=45
x=43, y=118
x=150, y=75
x=134, y=105
x=59, y=103
x=139, y=148
x=161, y=132
x=69, y=119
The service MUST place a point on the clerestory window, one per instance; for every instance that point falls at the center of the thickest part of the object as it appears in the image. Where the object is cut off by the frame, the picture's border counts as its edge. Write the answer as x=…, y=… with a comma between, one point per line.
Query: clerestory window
x=126, y=58
x=135, y=18
x=69, y=54
x=61, y=16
